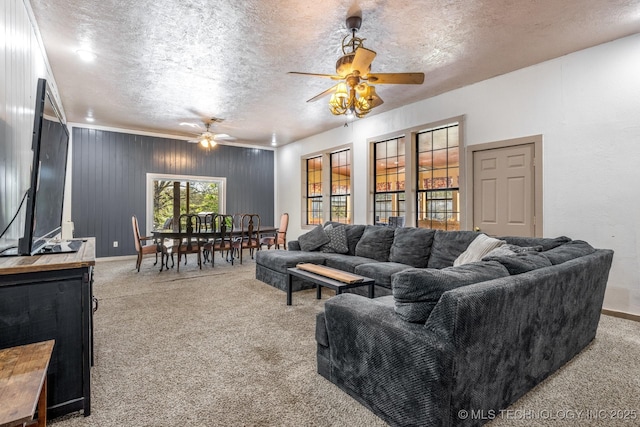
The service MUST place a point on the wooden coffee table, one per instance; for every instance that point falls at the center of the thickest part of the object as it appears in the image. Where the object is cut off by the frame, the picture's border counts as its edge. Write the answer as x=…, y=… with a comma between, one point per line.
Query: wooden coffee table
x=322, y=280
x=23, y=383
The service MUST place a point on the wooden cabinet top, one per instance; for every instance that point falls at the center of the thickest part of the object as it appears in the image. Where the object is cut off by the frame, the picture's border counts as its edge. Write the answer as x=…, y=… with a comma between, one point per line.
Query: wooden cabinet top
x=84, y=257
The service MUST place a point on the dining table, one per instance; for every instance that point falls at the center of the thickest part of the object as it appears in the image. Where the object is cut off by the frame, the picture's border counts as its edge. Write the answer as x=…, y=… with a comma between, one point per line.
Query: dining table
x=205, y=235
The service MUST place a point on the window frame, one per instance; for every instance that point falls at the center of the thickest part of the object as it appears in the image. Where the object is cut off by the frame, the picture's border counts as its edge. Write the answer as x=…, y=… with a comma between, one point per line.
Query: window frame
x=433, y=196
x=326, y=178
x=398, y=206
x=333, y=194
x=411, y=173
x=151, y=177
x=316, y=198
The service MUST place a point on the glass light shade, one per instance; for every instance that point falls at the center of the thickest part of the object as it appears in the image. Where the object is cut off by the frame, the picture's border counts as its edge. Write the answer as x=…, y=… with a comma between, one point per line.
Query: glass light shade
x=204, y=142
x=341, y=91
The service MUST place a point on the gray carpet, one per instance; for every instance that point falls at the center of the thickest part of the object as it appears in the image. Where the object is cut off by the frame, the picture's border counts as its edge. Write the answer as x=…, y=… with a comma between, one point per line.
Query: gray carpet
x=215, y=347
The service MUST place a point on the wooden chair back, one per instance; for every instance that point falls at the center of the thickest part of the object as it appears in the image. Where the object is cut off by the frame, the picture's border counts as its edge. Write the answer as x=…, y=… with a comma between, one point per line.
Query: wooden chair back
x=282, y=231
x=136, y=233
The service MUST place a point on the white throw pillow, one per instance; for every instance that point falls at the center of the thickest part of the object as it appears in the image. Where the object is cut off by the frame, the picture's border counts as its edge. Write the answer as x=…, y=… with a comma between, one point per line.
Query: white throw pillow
x=480, y=246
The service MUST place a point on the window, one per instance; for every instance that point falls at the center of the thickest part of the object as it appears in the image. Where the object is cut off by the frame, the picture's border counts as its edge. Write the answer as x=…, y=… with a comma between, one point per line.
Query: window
x=196, y=195
x=438, y=178
x=314, y=190
x=340, y=199
x=389, y=192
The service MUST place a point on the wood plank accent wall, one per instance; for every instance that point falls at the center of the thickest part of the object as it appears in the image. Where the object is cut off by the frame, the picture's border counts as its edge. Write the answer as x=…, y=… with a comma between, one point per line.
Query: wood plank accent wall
x=22, y=62
x=108, y=182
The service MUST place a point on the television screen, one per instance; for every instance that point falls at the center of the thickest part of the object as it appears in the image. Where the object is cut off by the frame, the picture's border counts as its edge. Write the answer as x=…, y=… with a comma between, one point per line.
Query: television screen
x=45, y=198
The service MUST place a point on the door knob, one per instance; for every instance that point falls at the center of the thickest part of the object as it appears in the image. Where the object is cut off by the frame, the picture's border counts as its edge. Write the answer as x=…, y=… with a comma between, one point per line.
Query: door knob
x=476, y=228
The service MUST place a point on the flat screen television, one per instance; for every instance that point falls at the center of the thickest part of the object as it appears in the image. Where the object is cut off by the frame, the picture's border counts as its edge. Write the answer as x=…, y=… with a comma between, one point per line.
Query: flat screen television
x=50, y=145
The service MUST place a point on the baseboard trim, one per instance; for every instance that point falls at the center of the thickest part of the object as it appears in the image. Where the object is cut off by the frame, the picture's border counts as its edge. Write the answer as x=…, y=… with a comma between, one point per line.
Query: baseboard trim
x=621, y=314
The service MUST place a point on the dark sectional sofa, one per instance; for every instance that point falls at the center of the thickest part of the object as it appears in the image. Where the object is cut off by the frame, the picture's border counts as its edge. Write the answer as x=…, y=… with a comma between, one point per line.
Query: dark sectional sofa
x=445, y=345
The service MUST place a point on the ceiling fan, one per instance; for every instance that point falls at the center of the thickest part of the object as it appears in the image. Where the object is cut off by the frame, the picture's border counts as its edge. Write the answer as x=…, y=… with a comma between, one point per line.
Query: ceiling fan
x=208, y=138
x=355, y=93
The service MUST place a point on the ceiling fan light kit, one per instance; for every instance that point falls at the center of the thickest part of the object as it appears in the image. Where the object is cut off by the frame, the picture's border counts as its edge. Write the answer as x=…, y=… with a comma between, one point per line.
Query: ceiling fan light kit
x=356, y=95
x=208, y=139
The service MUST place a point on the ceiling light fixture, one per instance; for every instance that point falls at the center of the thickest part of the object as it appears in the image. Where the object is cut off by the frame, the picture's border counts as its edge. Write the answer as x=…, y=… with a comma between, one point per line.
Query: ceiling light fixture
x=356, y=96
x=207, y=139
x=86, y=55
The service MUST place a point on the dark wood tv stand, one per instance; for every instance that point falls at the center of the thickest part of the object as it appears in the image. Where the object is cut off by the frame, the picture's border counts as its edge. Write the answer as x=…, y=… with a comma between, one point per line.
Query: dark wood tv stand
x=45, y=297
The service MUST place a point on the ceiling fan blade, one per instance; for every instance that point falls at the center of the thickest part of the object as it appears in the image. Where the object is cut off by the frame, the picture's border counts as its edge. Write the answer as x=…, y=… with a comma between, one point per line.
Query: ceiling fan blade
x=223, y=137
x=362, y=61
x=325, y=93
x=376, y=101
x=327, y=76
x=396, y=78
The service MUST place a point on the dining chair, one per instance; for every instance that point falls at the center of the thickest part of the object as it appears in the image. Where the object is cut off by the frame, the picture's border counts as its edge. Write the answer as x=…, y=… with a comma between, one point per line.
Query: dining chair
x=280, y=236
x=190, y=244
x=224, y=243
x=145, y=249
x=208, y=224
x=249, y=235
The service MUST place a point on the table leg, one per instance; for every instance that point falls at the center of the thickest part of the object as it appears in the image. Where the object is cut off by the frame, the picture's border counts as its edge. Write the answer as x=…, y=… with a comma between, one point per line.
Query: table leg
x=318, y=291
x=289, y=288
x=42, y=405
x=371, y=290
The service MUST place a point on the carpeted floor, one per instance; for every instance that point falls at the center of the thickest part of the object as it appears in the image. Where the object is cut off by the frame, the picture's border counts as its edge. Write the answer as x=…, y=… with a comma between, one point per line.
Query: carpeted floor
x=216, y=347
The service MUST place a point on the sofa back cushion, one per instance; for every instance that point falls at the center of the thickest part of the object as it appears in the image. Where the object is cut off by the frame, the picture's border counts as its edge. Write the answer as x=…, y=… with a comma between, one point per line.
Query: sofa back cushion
x=417, y=291
x=518, y=262
x=447, y=246
x=412, y=246
x=354, y=233
x=375, y=243
x=569, y=250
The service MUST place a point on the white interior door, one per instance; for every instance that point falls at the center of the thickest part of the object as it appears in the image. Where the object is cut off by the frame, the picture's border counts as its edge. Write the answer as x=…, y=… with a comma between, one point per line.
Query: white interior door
x=504, y=191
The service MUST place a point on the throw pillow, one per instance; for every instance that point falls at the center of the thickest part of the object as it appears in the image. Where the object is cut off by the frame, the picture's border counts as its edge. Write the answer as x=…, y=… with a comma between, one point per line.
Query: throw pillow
x=375, y=242
x=337, y=241
x=480, y=246
x=417, y=291
x=313, y=239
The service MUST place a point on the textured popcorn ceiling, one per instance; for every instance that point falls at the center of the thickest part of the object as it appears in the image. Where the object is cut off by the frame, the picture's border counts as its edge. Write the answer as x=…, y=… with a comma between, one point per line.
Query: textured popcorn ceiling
x=164, y=62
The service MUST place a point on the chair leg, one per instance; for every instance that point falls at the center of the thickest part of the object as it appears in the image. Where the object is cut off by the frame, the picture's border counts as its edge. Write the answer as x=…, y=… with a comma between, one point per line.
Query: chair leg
x=139, y=261
x=155, y=263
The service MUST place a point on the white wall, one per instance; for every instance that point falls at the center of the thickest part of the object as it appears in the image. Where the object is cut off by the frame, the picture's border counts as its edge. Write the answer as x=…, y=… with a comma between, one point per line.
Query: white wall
x=587, y=107
x=22, y=61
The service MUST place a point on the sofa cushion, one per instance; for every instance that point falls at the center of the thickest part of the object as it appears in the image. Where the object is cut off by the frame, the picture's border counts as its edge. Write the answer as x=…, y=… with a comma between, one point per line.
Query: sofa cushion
x=546, y=243
x=570, y=250
x=313, y=239
x=337, y=240
x=412, y=246
x=447, y=246
x=375, y=242
x=417, y=291
x=345, y=262
x=479, y=247
x=518, y=262
x=281, y=260
x=381, y=272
